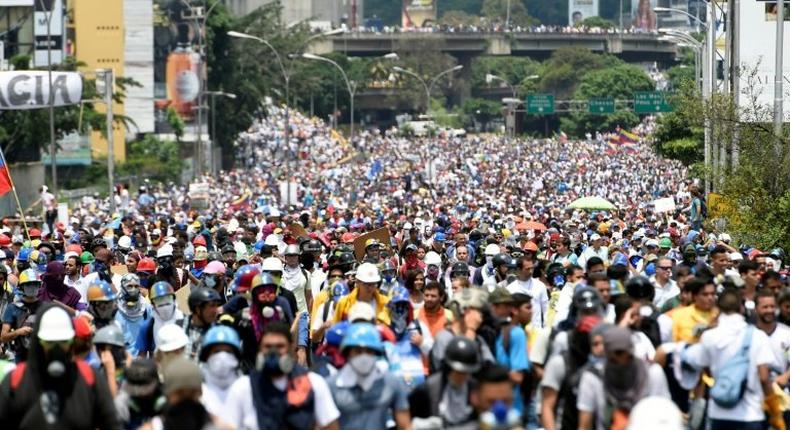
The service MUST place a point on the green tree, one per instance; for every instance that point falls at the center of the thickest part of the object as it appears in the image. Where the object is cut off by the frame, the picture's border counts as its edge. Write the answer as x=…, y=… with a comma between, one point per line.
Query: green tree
x=471, y=7
x=153, y=159
x=516, y=70
x=458, y=18
x=563, y=71
x=481, y=110
x=496, y=10
x=619, y=82
x=548, y=12
x=597, y=21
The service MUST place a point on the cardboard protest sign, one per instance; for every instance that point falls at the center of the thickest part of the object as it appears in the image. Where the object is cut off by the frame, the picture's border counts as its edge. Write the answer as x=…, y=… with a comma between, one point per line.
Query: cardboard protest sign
x=382, y=235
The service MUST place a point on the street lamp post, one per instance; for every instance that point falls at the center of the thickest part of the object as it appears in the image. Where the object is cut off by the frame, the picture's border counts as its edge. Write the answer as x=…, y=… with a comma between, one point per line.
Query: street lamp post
x=351, y=87
x=428, y=86
x=286, y=80
x=512, y=101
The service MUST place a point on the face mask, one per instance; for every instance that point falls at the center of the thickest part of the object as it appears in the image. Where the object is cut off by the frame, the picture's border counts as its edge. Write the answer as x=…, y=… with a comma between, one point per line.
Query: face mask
x=389, y=277
x=273, y=364
x=165, y=264
x=399, y=322
x=165, y=310
x=221, y=368
x=210, y=281
x=363, y=364
x=99, y=267
x=489, y=259
x=30, y=290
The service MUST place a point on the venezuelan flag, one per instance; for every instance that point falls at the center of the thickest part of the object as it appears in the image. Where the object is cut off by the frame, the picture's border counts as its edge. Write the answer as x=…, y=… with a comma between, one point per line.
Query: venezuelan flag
x=5, y=177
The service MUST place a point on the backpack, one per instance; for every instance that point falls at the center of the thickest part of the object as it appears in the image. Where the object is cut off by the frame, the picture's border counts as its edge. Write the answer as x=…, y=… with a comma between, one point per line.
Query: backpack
x=730, y=379
x=568, y=393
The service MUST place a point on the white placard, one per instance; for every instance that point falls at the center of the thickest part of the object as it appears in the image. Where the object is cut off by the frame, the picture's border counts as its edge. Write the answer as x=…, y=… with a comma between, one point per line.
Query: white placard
x=29, y=89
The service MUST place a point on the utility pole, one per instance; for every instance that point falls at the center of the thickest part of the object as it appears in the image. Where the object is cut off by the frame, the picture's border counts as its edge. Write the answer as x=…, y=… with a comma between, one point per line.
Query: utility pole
x=735, y=61
x=105, y=81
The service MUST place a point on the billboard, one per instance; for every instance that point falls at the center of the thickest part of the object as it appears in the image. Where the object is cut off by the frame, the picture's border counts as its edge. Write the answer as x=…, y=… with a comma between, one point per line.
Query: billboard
x=29, y=89
x=579, y=10
x=177, y=65
x=757, y=49
x=642, y=15
x=48, y=29
x=418, y=13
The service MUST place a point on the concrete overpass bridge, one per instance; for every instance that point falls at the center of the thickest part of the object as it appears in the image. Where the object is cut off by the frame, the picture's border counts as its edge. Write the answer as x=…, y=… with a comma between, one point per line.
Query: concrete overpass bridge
x=631, y=47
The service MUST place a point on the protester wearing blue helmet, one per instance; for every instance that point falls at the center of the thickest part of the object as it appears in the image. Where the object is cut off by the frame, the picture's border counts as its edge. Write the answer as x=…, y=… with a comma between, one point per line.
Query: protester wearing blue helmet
x=328, y=356
x=219, y=354
x=365, y=394
x=23, y=259
x=163, y=299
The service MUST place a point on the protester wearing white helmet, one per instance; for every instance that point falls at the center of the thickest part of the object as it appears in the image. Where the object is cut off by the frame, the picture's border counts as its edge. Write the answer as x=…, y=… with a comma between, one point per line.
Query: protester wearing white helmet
x=171, y=342
x=433, y=266
x=53, y=390
x=367, y=291
x=295, y=279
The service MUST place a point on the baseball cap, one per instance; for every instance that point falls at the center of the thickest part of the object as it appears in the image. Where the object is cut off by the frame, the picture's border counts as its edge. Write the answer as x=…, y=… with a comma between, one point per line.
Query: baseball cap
x=651, y=243
x=595, y=236
x=500, y=295
x=180, y=374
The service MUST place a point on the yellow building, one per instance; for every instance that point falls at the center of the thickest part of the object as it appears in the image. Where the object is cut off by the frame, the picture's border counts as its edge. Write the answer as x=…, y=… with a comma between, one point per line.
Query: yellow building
x=98, y=42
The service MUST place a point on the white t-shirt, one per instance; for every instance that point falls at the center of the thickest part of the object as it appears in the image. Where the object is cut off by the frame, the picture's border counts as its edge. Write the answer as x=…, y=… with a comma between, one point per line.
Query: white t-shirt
x=665, y=293
x=716, y=347
x=540, y=298
x=780, y=344
x=240, y=412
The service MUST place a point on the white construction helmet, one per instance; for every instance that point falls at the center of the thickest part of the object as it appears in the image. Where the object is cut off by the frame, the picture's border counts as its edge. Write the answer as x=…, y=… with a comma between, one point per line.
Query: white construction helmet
x=171, y=337
x=432, y=259
x=292, y=249
x=164, y=251
x=492, y=249
x=125, y=242
x=56, y=326
x=272, y=264
x=368, y=273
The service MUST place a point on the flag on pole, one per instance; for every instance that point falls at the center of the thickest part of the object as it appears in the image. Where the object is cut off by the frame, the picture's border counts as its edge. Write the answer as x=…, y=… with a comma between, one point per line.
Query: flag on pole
x=5, y=178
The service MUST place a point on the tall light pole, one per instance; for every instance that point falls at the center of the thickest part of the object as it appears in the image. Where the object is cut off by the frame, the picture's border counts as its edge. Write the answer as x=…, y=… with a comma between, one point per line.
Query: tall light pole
x=694, y=46
x=105, y=86
x=286, y=80
x=200, y=21
x=351, y=87
x=428, y=86
x=213, y=95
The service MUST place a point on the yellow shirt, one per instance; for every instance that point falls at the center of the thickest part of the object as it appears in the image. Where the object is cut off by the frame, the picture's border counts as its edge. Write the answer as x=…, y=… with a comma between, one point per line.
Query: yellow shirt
x=687, y=319
x=344, y=305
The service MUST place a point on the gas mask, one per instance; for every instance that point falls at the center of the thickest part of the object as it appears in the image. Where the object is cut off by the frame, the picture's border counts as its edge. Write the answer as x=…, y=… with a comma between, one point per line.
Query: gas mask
x=363, y=364
x=220, y=369
x=400, y=318
x=131, y=294
x=165, y=263
x=273, y=364
x=104, y=311
x=57, y=356
x=433, y=271
x=500, y=416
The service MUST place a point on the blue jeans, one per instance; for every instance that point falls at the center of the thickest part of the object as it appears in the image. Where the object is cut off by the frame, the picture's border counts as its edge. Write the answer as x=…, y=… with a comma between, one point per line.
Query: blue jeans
x=736, y=425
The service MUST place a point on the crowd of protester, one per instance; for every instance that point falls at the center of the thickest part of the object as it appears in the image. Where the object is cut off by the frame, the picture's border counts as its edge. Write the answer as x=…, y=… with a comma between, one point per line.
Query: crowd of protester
x=426, y=283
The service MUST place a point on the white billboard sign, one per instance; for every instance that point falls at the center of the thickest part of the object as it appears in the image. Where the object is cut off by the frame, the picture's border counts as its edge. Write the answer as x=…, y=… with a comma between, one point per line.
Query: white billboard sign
x=29, y=89
x=579, y=10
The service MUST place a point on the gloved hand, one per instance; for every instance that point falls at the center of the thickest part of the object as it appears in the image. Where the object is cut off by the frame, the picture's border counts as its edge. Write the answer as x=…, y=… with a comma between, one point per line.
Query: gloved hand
x=773, y=407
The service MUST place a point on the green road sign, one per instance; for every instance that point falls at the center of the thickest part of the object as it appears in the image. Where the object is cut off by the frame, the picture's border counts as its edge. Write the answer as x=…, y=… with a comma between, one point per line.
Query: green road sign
x=651, y=102
x=601, y=106
x=540, y=104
